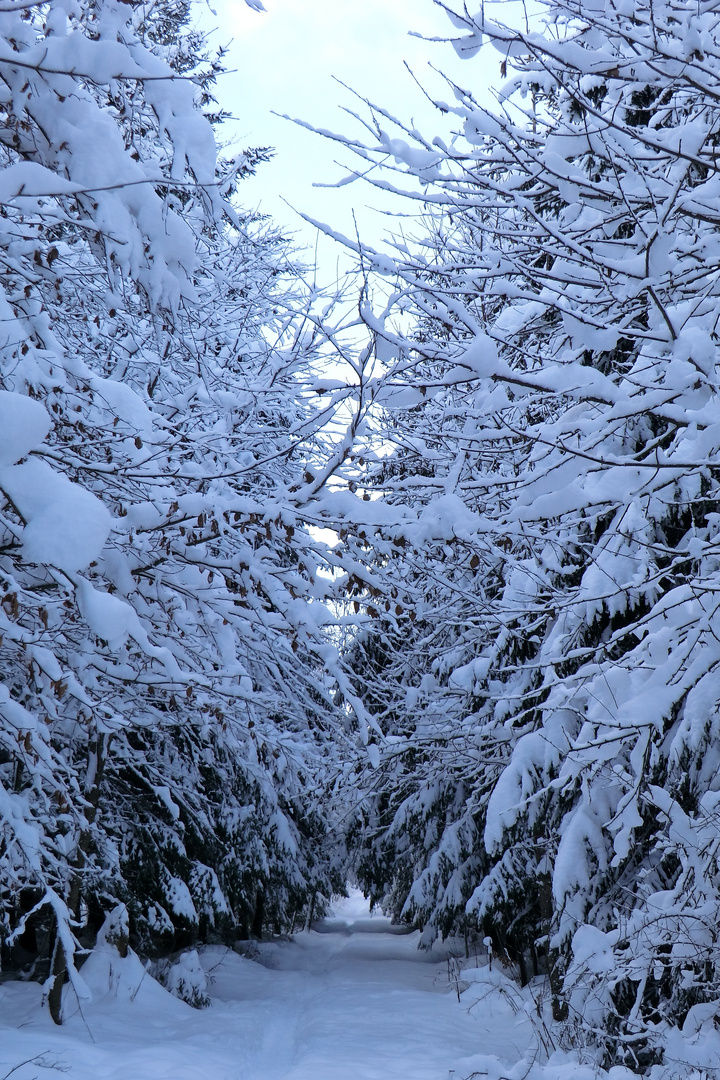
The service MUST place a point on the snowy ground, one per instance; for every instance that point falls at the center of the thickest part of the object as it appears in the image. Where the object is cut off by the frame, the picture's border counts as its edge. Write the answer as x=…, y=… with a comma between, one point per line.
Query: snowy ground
x=350, y=1000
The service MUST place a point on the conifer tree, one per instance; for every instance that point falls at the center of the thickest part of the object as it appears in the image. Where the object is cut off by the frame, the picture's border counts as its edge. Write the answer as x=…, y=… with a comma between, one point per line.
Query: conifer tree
x=573, y=308
x=164, y=701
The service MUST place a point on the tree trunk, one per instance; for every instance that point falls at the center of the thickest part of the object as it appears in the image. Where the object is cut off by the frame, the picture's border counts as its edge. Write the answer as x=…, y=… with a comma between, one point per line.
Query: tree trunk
x=557, y=997
x=59, y=961
x=311, y=911
x=259, y=916
x=58, y=972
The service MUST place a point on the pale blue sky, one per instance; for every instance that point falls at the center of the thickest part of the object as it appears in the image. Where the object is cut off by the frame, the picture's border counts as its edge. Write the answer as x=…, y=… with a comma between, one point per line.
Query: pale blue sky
x=286, y=58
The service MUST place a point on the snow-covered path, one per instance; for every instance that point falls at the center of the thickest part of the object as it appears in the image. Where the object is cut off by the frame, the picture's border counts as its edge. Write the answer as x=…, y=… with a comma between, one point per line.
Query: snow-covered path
x=350, y=1000
x=359, y=1001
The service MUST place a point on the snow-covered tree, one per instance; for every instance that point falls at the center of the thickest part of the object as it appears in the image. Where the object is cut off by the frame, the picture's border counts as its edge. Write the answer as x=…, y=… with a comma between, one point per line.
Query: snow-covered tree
x=164, y=700
x=565, y=434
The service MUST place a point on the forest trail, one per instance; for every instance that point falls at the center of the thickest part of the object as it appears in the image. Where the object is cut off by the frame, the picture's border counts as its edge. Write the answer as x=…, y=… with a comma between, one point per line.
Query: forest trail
x=350, y=1000
x=361, y=1001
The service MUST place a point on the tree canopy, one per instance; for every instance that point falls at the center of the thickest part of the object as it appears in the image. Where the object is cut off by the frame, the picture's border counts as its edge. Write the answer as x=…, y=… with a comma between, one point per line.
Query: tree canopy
x=424, y=596
x=549, y=716
x=166, y=707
